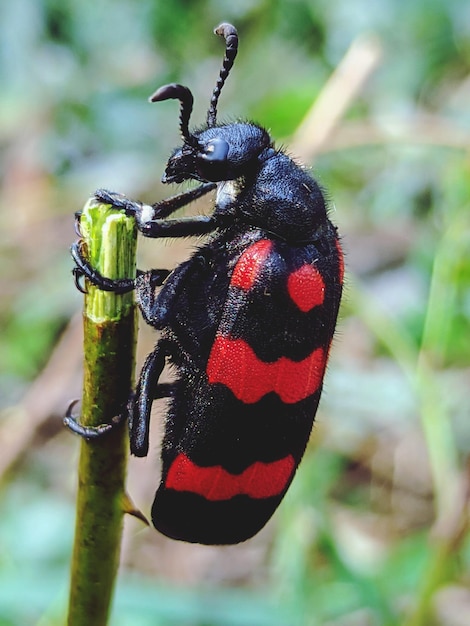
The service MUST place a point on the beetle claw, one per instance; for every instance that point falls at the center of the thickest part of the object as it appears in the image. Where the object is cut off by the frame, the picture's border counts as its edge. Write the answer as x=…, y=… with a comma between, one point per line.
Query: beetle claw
x=78, y=231
x=89, y=432
x=78, y=274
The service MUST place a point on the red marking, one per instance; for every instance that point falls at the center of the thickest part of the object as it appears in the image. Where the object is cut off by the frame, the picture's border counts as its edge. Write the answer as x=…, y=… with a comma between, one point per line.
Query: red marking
x=341, y=261
x=306, y=287
x=233, y=363
x=249, y=264
x=260, y=480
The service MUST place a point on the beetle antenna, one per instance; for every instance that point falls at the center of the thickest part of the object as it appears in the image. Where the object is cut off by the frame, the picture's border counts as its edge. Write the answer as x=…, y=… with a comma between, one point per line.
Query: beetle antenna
x=229, y=33
x=174, y=91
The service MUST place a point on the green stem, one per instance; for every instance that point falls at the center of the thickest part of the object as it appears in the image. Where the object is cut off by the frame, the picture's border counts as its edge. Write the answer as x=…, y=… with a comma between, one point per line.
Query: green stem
x=419, y=365
x=452, y=504
x=423, y=379
x=109, y=346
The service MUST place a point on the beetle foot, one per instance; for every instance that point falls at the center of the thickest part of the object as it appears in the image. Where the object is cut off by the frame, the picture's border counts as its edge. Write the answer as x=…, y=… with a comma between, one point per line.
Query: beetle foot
x=119, y=201
x=83, y=269
x=89, y=432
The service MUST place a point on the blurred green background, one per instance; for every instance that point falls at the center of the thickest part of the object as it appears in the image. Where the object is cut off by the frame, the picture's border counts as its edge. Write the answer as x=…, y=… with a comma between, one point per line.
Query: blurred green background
x=374, y=530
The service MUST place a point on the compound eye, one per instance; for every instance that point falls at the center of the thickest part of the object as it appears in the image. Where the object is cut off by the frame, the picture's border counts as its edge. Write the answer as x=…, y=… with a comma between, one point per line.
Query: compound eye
x=212, y=162
x=216, y=150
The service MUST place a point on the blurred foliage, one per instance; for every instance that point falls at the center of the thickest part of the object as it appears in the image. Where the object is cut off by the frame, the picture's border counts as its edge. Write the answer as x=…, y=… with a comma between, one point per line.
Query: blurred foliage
x=374, y=530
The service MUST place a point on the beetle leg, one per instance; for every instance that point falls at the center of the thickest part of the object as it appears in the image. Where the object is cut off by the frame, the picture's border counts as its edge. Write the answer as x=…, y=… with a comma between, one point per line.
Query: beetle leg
x=178, y=227
x=165, y=208
x=150, y=219
x=161, y=209
x=156, y=308
x=141, y=404
x=84, y=269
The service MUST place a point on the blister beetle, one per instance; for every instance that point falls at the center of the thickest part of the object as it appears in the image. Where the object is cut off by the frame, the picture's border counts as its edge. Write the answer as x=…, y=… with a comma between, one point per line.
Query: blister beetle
x=246, y=322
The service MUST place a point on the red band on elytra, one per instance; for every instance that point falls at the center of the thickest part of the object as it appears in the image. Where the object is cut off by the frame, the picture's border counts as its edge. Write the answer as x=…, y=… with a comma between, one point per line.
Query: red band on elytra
x=260, y=480
x=249, y=264
x=233, y=363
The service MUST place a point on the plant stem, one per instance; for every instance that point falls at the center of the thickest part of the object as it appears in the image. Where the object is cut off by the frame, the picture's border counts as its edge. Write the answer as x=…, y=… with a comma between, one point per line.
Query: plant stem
x=109, y=346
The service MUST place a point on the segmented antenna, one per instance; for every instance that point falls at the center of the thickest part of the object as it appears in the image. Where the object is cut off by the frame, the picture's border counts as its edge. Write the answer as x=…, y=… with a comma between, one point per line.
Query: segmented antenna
x=184, y=95
x=230, y=35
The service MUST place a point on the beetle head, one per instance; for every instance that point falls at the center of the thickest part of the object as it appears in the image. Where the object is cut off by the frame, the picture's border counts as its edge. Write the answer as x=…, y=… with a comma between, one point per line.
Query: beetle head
x=215, y=153
x=222, y=153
